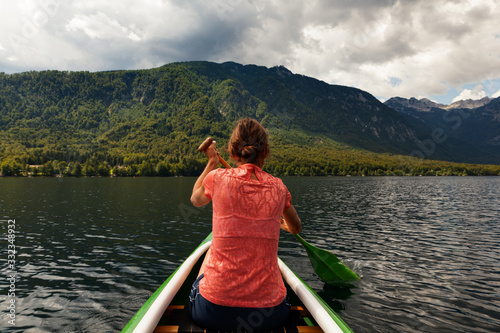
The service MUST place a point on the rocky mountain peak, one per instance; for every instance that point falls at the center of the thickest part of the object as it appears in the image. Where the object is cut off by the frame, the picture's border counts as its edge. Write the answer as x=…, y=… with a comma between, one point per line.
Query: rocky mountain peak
x=469, y=103
x=424, y=104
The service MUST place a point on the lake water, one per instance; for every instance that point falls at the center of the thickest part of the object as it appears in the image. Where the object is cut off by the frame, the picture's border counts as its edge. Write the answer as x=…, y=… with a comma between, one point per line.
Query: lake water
x=92, y=250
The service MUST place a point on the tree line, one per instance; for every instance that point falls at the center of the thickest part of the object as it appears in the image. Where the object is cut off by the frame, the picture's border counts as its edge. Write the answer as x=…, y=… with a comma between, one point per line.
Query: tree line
x=144, y=166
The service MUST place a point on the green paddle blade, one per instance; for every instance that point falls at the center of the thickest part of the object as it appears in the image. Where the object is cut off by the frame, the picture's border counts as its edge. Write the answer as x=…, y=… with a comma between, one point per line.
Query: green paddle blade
x=328, y=267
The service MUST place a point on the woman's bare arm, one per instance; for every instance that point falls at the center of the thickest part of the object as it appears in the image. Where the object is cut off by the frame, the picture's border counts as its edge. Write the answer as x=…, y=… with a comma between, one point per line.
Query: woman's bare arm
x=291, y=221
x=198, y=197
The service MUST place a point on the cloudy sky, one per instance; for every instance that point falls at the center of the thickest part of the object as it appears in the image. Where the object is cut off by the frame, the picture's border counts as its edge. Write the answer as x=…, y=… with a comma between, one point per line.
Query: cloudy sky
x=443, y=50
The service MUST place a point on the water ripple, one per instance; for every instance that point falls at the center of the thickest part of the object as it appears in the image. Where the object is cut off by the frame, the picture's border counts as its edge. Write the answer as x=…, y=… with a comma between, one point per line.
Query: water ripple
x=91, y=251
x=429, y=249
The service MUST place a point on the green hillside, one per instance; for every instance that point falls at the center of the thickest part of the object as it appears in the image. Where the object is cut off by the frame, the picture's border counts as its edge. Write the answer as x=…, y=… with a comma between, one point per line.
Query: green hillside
x=150, y=122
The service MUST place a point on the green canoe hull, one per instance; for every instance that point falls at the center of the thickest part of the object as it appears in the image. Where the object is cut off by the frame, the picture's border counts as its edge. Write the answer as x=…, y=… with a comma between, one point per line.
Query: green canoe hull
x=175, y=290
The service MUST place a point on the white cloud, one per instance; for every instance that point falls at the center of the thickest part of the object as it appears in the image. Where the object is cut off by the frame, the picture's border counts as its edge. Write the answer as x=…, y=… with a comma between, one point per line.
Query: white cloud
x=475, y=93
x=495, y=95
x=427, y=47
x=101, y=26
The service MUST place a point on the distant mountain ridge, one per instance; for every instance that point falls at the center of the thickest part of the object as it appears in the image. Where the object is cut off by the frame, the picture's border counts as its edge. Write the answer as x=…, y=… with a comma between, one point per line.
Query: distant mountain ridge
x=472, y=124
x=402, y=104
x=424, y=104
x=469, y=103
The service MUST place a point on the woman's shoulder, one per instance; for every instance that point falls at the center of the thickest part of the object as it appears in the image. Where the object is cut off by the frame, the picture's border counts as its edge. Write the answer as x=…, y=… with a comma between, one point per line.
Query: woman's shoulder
x=242, y=173
x=273, y=179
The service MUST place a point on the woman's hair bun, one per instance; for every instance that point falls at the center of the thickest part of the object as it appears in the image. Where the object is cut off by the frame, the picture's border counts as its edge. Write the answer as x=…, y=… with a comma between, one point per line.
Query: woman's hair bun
x=249, y=140
x=249, y=152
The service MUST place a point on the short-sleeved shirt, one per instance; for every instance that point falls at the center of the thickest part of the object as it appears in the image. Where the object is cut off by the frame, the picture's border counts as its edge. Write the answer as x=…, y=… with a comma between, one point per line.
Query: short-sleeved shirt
x=243, y=267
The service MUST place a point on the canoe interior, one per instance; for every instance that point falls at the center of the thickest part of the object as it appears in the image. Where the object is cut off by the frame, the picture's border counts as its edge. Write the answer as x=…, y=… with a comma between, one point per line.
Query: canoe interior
x=176, y=318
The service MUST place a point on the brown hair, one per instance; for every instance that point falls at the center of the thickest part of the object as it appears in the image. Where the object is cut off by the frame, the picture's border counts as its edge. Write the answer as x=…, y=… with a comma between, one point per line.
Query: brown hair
x=249, y=141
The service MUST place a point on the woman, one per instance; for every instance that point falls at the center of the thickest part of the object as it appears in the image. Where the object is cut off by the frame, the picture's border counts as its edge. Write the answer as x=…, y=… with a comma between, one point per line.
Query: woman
x=240, y=284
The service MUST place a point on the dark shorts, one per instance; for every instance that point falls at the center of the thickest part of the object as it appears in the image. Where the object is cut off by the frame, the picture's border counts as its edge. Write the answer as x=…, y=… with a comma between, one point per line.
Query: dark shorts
x=224, y=318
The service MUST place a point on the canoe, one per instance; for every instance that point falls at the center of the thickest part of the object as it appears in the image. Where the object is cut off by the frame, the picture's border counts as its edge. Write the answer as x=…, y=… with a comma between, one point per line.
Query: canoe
x=167, y=309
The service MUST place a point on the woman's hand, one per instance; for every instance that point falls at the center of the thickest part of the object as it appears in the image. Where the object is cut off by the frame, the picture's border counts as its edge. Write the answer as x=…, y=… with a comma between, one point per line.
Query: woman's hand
x=283, y=225
x=212, y=154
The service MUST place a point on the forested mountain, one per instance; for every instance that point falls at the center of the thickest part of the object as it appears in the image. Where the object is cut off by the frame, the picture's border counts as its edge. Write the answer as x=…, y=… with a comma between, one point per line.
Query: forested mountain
x=149, y=122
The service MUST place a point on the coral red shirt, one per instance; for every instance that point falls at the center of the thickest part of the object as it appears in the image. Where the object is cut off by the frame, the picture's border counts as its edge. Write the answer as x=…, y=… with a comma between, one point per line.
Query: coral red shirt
x=243, y=267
